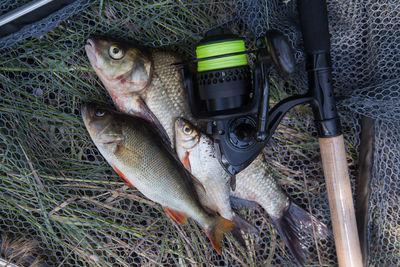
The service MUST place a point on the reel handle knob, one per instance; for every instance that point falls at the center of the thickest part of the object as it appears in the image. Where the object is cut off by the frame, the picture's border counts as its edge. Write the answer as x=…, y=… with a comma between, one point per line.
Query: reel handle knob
x=281, y=51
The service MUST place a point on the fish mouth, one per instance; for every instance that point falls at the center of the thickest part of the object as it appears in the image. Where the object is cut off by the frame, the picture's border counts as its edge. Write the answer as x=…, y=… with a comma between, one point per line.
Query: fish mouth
x=90, y=42
x=90, y=49
x=87, y=110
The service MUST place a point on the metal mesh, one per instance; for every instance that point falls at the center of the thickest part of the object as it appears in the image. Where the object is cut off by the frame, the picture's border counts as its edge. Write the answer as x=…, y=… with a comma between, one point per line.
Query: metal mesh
x=57, y=189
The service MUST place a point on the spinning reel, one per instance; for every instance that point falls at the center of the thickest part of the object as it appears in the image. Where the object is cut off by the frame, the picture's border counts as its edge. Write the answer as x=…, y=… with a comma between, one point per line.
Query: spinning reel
x=233, y=99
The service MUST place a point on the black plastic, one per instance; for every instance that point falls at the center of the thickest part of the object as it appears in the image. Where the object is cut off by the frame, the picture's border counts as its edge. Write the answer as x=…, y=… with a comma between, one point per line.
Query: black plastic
x=237, y=153
x=238, y=112
x=314, y=25
x=281, y=52
x=224, y=89
x=237, y=145
x=198, y=105
x=263, y=110
x=217, y=35
x=279, y=110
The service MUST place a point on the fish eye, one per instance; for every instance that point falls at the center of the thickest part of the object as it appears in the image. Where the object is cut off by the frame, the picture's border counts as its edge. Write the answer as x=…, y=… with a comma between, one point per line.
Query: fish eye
x=187, y=129
x=100, y=112
x=116, y=52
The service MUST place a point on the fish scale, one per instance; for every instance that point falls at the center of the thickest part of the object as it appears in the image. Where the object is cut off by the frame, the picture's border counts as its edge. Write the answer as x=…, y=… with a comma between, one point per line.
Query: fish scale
x=147, y=171
x=167, y=98
x=205, y=167
x=255, y=183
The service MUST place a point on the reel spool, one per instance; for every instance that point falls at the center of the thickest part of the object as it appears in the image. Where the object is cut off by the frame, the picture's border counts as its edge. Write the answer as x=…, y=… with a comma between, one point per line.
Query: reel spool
x=223, y=83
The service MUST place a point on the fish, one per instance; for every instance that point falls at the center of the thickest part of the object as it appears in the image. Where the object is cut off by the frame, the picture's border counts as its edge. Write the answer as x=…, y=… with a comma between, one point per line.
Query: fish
x=141, y=81
x=256, y=184
x=135, y=150
x=198, y=154
x=163, y=94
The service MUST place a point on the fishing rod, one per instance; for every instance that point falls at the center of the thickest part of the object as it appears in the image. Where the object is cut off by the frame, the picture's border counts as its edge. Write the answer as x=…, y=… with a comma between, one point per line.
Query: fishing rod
x=314, y=27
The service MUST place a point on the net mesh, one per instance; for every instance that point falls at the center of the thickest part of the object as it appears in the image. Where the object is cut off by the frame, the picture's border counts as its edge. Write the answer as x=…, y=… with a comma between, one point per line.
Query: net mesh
x=57, y=189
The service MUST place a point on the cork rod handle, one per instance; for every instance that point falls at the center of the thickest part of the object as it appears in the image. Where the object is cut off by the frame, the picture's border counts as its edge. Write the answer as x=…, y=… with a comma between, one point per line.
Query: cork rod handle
x=340, y=201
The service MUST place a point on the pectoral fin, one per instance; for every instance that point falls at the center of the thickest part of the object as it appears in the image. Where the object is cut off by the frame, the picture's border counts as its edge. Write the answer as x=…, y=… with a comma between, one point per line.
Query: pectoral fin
x=186, y=162
x=176, y=215
x=122, y=151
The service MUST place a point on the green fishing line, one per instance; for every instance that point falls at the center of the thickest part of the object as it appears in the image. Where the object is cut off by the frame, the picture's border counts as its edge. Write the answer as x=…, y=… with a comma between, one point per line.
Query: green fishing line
x=222, y=48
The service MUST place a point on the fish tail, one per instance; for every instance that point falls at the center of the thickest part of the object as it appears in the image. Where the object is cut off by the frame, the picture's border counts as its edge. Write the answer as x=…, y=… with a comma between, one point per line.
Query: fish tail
x=216, y=232
x=294, y=223
x=240, y=228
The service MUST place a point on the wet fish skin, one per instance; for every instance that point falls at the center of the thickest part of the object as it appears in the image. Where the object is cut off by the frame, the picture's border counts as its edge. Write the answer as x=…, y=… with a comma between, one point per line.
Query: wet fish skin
x=197, y=153
x=131, y=73
x=256, y=184
x=141, y=82
x=137, y=153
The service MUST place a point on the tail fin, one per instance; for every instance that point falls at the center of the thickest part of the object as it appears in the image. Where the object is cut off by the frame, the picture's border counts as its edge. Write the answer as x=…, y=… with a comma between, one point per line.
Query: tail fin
x=242, y=226
x=216, y=233
x=292, y=224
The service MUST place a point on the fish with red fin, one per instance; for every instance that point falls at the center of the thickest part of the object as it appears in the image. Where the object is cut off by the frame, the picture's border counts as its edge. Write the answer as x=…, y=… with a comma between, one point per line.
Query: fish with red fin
x=139, y=155
x=197, y=153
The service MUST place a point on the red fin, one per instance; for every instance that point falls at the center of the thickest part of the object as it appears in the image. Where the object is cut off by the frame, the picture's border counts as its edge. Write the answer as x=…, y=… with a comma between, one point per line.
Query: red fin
x=216, y=233
x=186, y=161
x=122, y=175
x=176, y=215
